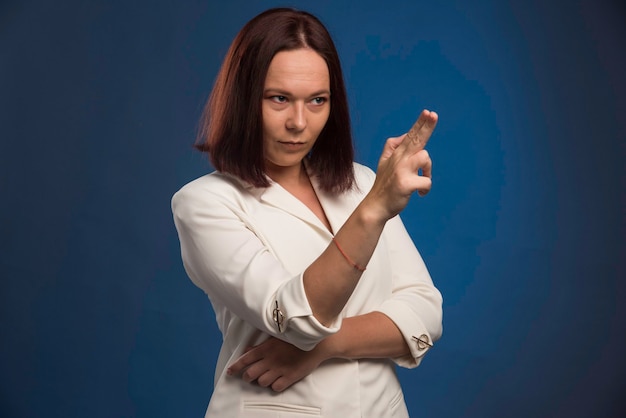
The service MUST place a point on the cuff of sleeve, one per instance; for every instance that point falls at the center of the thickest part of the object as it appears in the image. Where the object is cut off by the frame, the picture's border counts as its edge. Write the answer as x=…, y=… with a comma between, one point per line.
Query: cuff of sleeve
x=293, y=318
x=414, y=332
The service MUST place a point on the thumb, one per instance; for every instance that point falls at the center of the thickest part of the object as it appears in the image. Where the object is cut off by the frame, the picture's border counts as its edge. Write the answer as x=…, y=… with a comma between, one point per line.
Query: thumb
x=391, y=145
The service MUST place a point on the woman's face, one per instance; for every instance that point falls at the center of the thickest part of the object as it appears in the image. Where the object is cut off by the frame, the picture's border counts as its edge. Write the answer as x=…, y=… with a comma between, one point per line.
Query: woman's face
x=296, y=106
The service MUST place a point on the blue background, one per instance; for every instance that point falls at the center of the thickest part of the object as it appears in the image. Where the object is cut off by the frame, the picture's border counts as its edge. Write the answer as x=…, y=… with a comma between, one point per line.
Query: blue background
x=523, y=231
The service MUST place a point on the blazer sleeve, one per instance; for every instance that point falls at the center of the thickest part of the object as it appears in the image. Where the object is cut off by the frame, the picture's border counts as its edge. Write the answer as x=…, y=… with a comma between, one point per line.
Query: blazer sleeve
x=237, y=270
x=415, y=305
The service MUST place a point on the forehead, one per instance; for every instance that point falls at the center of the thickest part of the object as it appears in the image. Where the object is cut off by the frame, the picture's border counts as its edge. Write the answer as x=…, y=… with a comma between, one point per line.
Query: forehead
x=299, y=69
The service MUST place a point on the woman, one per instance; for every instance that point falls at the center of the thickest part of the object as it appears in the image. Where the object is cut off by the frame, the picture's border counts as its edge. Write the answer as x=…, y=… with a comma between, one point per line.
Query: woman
x=317, y=288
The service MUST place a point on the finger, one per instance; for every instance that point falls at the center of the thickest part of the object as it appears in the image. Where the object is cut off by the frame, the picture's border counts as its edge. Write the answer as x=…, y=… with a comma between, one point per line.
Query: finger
x=422, y=161
x=417, y=183
x=412, y=134
x=253, y=372
x=390, y=146
x=268, y=378
x=281, y=384
x=427, y=169
x=420, y=132
x=424, y=184
x=242, y=362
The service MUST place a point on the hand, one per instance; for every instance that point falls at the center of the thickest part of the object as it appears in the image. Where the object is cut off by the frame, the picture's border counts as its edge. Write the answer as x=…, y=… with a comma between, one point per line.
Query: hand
x=276, y=364
x=401, y=161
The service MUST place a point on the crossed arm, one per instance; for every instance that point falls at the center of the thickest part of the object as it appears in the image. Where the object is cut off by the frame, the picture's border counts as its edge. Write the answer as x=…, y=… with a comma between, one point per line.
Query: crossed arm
x=277, y=364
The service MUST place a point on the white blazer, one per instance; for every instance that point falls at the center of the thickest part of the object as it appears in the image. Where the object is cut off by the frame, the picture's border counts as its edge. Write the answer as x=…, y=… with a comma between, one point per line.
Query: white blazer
x=248, y=247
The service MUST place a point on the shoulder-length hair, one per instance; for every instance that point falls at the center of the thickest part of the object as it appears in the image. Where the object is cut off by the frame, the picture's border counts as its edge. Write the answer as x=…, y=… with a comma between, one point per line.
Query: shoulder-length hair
x=231, y=128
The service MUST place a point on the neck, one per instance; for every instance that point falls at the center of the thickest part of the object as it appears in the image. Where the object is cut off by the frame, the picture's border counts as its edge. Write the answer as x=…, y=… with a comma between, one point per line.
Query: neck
x=288, y=176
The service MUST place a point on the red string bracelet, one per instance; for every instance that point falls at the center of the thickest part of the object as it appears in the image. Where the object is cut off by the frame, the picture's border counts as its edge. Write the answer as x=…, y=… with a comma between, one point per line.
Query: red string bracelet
x=348, y=259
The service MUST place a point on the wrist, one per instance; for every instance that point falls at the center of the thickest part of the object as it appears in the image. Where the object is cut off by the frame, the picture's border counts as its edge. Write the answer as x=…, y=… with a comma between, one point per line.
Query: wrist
x=370, y=214
x=329, y=348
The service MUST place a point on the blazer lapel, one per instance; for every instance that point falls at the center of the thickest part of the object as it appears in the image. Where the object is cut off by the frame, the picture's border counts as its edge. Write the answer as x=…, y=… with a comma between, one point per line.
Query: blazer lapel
x=336, y=207
x=278, y=197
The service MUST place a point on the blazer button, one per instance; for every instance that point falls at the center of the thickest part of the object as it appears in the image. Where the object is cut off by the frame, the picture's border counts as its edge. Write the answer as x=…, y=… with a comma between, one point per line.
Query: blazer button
x=423, y=342
x=278, y=317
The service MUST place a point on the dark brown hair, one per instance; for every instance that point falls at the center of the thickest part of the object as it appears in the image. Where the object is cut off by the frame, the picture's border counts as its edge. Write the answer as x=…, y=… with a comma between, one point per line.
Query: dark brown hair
x=231, y=128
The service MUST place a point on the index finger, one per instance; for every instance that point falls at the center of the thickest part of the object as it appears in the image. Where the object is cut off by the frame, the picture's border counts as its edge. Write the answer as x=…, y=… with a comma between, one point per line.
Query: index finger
x=419, y=134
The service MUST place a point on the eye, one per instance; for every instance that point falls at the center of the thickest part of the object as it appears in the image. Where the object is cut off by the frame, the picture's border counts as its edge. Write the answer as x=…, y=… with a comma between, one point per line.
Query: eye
x=278, y=99
x=319, y=100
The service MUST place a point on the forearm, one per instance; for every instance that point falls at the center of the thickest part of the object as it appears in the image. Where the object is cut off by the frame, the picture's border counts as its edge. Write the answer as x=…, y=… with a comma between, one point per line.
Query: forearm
x=331, y=278
x=372, y=335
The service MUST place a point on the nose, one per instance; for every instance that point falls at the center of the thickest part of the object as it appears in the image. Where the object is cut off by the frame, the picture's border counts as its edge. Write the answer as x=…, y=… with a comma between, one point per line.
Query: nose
x=297, y=117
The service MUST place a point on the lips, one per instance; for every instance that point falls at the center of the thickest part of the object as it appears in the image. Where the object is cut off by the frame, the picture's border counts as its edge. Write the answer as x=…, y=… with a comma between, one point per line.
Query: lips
x=292, y=146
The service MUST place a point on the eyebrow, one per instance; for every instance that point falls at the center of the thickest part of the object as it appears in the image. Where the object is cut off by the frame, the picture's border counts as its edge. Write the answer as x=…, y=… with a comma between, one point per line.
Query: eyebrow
x=286, y=93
